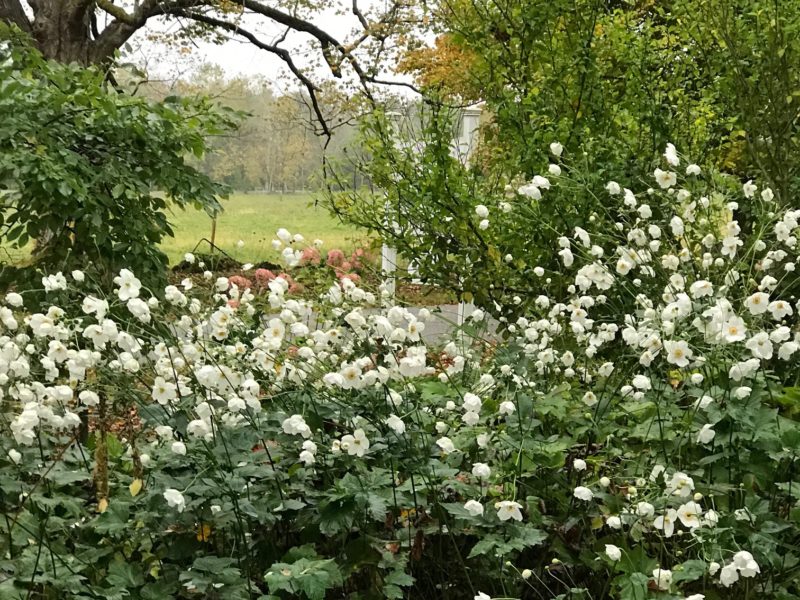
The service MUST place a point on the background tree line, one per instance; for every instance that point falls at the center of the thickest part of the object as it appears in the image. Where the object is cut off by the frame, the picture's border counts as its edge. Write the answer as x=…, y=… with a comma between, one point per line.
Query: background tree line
x=275, y=148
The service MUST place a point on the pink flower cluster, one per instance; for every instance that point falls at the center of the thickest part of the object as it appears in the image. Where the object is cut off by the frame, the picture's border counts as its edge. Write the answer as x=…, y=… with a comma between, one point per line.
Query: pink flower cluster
x=243, y=283
x=311, y=256
x=345, y=268
x=262, y=279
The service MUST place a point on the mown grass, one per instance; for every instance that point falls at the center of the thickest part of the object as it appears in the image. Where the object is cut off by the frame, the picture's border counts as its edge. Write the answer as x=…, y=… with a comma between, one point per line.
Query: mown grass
x=252, y=218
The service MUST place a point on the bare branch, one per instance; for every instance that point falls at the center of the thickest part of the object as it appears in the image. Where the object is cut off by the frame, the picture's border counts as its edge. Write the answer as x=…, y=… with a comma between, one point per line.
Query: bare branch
x=360, y=16
x=117, y=12
x=404, y=84
x=282, y=53
x=326, y=41
x=121, y=29
x=334, y=51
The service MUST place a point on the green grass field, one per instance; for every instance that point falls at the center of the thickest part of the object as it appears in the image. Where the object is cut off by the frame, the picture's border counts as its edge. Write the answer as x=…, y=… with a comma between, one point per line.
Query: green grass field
x=254, y=219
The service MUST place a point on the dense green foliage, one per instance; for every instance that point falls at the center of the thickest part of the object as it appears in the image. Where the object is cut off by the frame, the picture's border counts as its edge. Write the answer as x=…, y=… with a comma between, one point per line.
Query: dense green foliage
x=633, y=436
x=87, y=172
x=620, y=79
x=613, y=82
x=621, y=422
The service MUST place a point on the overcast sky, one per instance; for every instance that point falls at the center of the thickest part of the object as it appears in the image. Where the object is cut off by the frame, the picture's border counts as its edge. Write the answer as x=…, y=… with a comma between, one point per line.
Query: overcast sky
x=237, y=56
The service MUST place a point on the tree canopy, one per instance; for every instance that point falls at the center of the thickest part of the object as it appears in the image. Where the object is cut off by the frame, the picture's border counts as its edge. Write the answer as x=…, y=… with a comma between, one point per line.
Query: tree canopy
x=619, y=79
x=93, y=31
x=79, y=164
x=611, y=84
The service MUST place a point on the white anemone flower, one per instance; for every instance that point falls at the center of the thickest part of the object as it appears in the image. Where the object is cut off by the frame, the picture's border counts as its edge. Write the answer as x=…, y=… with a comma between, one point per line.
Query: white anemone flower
x=508, y=509
x=706, y=434
x=583, y=493
x=689, y=514
x=613, y=552
x=666, y=521
x=474, y=508
x=175, y=499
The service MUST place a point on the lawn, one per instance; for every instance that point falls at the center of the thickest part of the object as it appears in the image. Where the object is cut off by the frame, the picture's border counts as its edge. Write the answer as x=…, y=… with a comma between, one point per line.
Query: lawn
x=254, y=219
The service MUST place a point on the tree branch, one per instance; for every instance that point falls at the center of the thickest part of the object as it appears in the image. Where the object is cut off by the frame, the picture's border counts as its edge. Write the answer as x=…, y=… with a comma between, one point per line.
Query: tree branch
x=125, y=24
x=117, y=12
x=116, y=33
x=359, y=15
x=281, y=53
x=326, y=40
x=405, y=84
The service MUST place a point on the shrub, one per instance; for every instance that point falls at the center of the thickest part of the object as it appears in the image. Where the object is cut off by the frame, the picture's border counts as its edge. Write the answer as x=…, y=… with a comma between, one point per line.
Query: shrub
x=88, y=172
x=633, y=435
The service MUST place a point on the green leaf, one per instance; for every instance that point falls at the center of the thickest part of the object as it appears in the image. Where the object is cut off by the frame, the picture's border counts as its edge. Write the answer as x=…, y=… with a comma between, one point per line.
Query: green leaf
x=114, y=520
x=691, y=570
x=484, y=546
x=212, y=564
x=61, y=474
x=400, y=578
x=392, y=592
x=290, y=504
x=159, y=590
x=458, y=510
x=312, y=577
x=125, y=575
x=634, y=587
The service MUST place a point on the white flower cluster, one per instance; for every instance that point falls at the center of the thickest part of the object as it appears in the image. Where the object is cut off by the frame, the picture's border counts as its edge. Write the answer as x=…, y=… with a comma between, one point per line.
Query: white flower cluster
x=661, y=312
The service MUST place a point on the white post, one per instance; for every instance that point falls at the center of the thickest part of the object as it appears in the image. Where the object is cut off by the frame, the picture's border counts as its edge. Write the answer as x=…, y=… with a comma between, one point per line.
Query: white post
x=465, y=309
x=468, y=128
x=463, y=147
x=466, y=144
x=388, y=268
x=389, y=253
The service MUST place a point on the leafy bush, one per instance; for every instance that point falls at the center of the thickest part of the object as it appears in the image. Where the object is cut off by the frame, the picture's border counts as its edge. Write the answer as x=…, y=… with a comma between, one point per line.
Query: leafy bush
x=634, y=435
x=618, y=80
x=89, y=172
x=611, y=81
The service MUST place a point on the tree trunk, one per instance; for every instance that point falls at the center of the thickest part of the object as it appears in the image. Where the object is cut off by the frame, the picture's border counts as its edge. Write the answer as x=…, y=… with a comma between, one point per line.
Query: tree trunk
x=61, y=31
x=64, y=30
x=11, y=12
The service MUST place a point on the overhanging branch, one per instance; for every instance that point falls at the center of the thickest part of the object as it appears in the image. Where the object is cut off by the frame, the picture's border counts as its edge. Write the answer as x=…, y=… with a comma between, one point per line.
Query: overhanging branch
x=360, y=16
x=117, y=12
x=282, y=53
x=125, y=25
x=335, y=53
x=327, y=42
